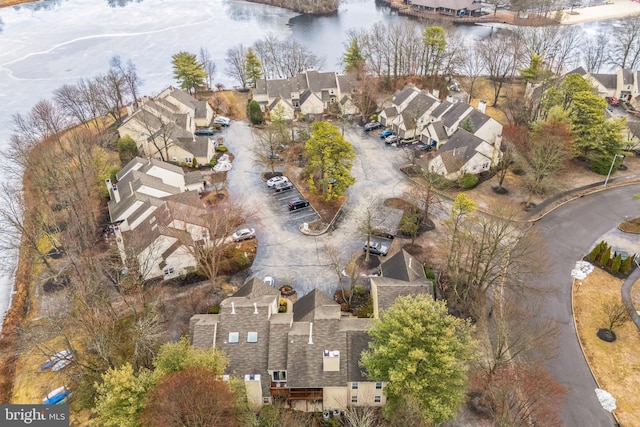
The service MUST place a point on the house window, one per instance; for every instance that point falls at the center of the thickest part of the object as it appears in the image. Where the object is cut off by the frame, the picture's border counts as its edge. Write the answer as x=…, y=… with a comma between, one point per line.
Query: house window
x=377, y=399
x=354, y=399
x=266, y=400
x=252, y=337
x=296, y=104
x=174, y=159
x=279, y=375
x=354, y=386
x=168, y=271
x=378, y=386
x=485, y=166
x=233, y=337
x=188, y=159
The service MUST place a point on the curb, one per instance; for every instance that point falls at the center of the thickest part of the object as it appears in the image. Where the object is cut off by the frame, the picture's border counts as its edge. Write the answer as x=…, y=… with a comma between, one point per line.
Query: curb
x=333, y=220
x=575, y=326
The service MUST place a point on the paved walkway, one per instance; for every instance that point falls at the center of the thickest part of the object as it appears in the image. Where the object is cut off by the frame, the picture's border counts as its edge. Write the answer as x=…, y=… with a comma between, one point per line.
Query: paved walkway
x=626, y=296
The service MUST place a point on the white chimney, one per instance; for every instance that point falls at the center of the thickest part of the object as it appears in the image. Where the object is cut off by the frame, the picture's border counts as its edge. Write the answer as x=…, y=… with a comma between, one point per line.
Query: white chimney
x=130, y=188
x=255, y=308
x=450, y=99
x=310, y=332
x=109, y=188
x=233, y=308
x=436, y=93
x=482, y=106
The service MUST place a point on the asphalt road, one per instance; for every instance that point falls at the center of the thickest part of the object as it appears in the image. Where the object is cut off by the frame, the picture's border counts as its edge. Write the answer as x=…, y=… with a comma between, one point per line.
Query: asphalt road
x=570, y=232
x=283, y=251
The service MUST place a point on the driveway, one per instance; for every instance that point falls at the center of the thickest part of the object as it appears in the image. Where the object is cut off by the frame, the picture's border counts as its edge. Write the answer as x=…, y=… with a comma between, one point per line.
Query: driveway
x=570, y=231
x=284, y=252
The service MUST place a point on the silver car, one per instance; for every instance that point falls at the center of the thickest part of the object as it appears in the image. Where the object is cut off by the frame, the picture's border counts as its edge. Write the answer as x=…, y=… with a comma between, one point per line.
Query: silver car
x=243, y=234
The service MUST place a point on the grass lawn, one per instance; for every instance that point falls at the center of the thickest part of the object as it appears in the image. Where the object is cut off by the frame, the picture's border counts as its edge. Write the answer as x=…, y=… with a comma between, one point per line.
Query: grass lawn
x=616, y=365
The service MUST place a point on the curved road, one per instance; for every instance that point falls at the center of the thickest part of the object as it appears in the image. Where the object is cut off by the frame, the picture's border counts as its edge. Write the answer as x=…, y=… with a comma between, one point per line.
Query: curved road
x=570, y=231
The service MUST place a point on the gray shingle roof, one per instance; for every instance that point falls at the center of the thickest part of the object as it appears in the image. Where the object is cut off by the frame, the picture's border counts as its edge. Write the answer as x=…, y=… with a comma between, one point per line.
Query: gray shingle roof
x=255, y=288
x=403, y=266
x=388, y=290
x=305, y=359
x=280, y=323
x=318, y=81
x=477, y=119
x=454, y=114
x=316, y=304
x=441, y=109
x=609, y=81
x=627, y=76
x=404, y=94
x=198, y=146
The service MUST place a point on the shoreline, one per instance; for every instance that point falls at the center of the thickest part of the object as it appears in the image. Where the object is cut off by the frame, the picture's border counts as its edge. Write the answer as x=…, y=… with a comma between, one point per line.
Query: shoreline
x=615, y=9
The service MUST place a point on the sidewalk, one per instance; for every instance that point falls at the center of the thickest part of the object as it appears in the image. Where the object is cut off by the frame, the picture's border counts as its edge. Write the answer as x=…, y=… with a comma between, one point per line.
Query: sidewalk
x=626, y=296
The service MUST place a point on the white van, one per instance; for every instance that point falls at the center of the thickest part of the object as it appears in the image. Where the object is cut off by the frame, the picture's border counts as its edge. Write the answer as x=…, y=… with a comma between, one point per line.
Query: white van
x=222, y=121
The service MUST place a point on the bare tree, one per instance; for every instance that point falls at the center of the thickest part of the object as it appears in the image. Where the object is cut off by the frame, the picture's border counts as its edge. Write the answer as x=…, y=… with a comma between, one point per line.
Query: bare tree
x=130, y=76
x=235, y=64
x=471, y=68
x=625, y=49
x=595, y=53
x=615, y=313
x=209, y=65
x=501, y=56
x=371, y=213
x=513, y=333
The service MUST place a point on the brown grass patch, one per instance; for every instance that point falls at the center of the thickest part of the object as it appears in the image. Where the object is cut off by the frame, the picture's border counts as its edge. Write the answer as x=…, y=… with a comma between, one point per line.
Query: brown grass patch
x=631, y=226
x=615, y=365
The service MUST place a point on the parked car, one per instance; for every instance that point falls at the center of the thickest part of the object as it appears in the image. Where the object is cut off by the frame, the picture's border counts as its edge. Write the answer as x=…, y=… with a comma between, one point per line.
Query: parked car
x=204, y=132
x=277, y=180
x=386, y=232
x=283, y=186
x=298, y=204
x=372, y=125
x=243, y=234
x=376, y=248
x=422, y=147
x=269, y=281
x=391, y=139
x=221, y=120
x=386, y=133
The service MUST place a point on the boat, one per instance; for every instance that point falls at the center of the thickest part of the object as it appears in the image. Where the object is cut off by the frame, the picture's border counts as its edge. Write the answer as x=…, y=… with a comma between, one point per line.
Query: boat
x=59, y=360
x=56, y=396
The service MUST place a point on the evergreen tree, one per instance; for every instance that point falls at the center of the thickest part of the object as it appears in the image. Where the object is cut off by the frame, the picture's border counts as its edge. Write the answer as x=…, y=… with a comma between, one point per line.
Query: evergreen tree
x=252, y=67
x=189, y=73
x=595, y=252
x=255, y=114
x=329, y=161
x=606, y=256
x=617, y=262
x=625, y=267
x=352, y=59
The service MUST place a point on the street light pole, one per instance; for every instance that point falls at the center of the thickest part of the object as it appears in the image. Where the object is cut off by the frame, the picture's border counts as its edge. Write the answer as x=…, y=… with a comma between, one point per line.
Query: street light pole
x=611, y=168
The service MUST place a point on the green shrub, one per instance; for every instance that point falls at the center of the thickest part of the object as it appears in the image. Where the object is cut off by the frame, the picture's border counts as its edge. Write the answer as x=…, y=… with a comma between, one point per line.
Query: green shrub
x=518, y=168
x=617, y=262
x=127, y=149
x=431, y=275
x=212, y=162
x=222, y=148
x=214, y=309
x=467, y=181
x=596, y=251
x=626, y=264
x=605, y=256
x=602, y=164
x=254, y=112
x=359, y=290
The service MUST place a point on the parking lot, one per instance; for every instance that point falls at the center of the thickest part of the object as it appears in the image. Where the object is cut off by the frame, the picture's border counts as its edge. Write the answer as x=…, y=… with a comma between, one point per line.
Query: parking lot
x=291, y=219
x=283, y=251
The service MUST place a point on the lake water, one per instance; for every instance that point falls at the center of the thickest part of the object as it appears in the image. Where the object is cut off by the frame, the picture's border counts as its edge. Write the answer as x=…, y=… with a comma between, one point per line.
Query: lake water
x=46, y=44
